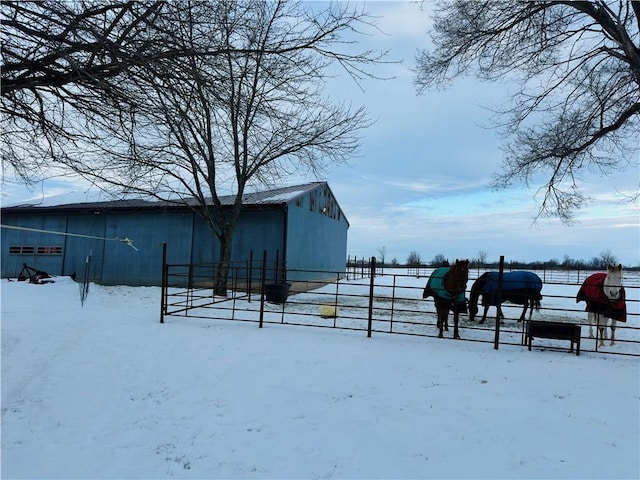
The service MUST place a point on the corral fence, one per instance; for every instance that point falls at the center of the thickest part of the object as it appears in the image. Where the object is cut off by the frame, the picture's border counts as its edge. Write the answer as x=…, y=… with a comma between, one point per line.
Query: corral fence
x=263, y=292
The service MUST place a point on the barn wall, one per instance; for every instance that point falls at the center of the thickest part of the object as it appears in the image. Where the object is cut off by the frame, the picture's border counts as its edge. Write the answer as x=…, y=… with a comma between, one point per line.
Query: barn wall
x=204, y=247
x=258, y=231
x=317, y=235
x=77, y=249
x=112, y=262
x=148, y=231
x=315, y=242
x=11, y=264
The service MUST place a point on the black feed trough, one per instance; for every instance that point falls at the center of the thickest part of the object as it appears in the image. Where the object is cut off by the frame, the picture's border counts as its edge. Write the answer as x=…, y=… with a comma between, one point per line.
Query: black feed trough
x=554, y=330
x=276, y=292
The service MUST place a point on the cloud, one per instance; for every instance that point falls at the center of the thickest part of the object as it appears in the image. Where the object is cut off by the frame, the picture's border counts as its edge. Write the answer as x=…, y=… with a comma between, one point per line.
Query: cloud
x=463, y=222
x=401, y=19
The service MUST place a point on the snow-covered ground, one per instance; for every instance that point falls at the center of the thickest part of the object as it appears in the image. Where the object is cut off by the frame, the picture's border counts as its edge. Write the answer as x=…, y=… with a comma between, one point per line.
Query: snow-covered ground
x=106, y=391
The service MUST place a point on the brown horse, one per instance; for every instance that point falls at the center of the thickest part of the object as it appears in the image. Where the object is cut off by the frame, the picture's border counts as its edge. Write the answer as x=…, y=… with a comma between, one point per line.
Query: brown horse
x=447, y=286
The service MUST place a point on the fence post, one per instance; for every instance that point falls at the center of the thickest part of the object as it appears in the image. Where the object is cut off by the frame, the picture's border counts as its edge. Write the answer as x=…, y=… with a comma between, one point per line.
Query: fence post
x=371, y=282
x=496, y=341
x=250, y=275
x=163, y=284
x=335, y=301
x=262, y=282
x=393, y=302
x=190, y=292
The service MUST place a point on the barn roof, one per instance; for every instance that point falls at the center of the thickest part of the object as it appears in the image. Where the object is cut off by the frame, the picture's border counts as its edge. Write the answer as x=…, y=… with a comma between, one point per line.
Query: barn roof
x=272, y=197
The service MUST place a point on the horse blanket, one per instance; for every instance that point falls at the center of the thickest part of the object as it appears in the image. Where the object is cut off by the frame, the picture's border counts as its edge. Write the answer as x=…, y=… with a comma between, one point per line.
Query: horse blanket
x=435, y=288
x=593, y=294
x=516, y=283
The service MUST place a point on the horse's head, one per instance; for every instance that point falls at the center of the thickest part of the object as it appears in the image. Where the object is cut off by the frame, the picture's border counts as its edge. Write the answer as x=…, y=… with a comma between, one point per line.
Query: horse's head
x=612, y=285
x=456, y=279
x=473, y=310
x=474, y=295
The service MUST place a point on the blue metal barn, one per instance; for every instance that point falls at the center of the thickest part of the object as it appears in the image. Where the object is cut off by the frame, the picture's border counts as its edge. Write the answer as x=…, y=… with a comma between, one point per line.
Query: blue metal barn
x=302, y=226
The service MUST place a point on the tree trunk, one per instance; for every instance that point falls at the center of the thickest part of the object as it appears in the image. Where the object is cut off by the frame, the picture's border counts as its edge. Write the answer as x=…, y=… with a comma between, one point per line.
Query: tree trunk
x=222, y=272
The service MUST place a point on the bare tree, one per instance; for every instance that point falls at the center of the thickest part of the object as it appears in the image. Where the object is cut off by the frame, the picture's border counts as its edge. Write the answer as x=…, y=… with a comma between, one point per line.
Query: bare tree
x=439, y=261
x=67, y=69
x=578, y=64
x=382, y=251
x=607, y=258
x=414, y=258
x=61, y=67
x=251, y=114
x=482, y=257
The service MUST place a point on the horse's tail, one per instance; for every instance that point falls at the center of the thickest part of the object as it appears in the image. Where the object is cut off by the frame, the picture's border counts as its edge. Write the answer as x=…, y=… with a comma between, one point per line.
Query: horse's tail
x=537, y=305
x=428, y=292
x=581, y=296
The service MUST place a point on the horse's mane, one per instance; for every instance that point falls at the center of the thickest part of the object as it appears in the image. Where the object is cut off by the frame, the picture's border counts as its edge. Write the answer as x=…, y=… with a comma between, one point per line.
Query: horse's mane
x=480, y=281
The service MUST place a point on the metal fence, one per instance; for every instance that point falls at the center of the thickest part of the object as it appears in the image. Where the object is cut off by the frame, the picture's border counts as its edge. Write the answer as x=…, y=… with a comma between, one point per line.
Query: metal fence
x=389, y=303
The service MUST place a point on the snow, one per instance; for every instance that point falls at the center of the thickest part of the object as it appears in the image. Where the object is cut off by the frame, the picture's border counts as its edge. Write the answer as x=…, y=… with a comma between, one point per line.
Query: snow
x=66, y=198
x=106, y=391
x=283, y=197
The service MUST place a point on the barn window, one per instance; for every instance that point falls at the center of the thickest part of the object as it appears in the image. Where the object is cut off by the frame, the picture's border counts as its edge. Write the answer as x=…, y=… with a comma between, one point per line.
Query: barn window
x=31, y=250
x=21, y=250
x=49, y=250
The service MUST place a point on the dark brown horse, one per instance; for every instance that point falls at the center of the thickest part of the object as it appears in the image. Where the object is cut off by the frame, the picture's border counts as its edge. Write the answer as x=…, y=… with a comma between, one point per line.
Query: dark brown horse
x=519, y=287
x=447, y=286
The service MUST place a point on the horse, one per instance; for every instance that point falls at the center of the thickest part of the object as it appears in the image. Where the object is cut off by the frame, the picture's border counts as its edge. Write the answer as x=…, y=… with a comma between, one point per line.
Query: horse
x=447, y=286
x=521, y=287
x=605, y=298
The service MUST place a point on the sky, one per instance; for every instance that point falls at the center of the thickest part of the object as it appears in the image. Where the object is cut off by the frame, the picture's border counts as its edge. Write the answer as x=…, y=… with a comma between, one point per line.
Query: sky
x=421, y=181
x=103, y=390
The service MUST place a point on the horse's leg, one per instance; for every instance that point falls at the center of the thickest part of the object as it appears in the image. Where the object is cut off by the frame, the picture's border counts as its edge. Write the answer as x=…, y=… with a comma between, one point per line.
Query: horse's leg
x=445, y=320
x=484, y=314
x=602, y=328
x=439, y=323
x=613, y=331
x=456, y=317
x=524, y=310
x=590, y=316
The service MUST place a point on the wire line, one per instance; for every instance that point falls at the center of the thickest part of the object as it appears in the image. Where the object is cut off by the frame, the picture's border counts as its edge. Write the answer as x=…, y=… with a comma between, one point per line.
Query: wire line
x=125, y=240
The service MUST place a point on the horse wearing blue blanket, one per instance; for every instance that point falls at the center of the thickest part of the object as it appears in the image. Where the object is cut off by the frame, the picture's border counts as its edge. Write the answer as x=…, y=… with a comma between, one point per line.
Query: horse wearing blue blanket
x=520, y=287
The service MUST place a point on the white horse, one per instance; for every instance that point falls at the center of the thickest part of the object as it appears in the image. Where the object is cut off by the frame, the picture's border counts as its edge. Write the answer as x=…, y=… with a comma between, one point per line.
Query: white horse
x=604, y=295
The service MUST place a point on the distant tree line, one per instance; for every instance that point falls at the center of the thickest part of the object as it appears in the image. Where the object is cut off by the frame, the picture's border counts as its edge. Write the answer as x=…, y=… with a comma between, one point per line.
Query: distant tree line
x=414, y=259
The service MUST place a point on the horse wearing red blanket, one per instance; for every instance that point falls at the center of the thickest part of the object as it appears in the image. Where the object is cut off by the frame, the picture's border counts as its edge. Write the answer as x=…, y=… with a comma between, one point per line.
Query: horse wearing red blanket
x=605, y=299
